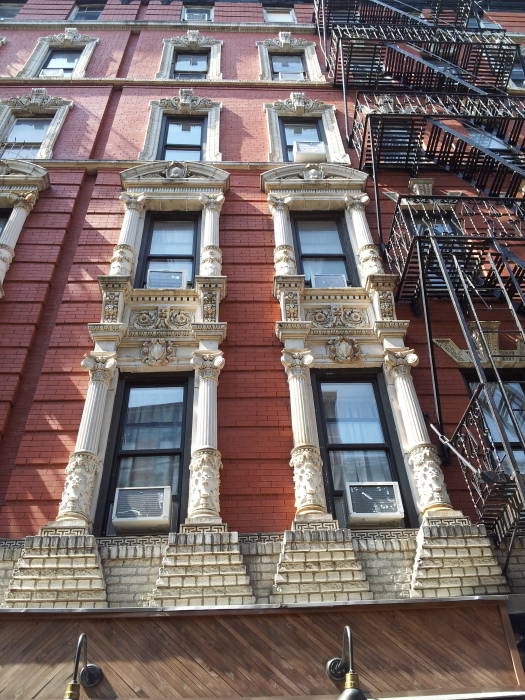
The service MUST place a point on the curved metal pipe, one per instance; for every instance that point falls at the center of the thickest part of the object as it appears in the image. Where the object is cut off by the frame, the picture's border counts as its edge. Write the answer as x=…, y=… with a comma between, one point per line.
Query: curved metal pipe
x=90, y=674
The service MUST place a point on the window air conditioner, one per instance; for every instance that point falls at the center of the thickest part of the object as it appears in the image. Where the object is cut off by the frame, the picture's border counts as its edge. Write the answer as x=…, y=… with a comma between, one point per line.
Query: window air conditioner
x=328, y=281
x=291, y=76
x=374, y=502
x=142, y=508
x=52, y=73
x=309, y=151
x=166, y=279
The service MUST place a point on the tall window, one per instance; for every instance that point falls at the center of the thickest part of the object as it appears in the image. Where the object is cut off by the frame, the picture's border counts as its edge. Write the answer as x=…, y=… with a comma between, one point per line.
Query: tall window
x=149, y=443
x=324, y=252
x=87, y=10
x=356, y=451
x=25, y=137
x=302, y=131
x=169, y=252
x=190, y=66
x=60, y=62
x=196, y=13
x=8, y=10
x=182, y=138
x=287, y=66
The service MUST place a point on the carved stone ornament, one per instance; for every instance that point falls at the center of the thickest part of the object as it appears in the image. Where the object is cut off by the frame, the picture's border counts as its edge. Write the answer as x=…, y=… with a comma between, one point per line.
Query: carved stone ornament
x=208, y=364
x=284, y=260
x=291, y=306
x=211, y=261
x=357, y=201
x=203, y=498
x=343, y=349
x=157, y=352
x=122, y=260
x=160, y=318
x=69, y=39
x=110, y=306
x=209, y=307
x=23, y=200
x=386, y=305
x=81, y=471
x=176, y=171
x=193, y=39
x=400, y=362
x=285, y=40
x=38, y=102
x=503, y=357
x=308, y=480
x=428, y=476
x=135, y=202
x=297, y=362
x=300, y=104
x=336, y=316
x=370, y=260
x=101, y=367
x=186, y=102
x=212, y=201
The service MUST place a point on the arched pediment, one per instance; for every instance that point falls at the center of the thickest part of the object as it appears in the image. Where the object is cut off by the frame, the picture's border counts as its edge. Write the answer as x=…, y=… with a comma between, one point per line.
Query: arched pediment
x=22, y=174
x=321, y=176
x=174, y=174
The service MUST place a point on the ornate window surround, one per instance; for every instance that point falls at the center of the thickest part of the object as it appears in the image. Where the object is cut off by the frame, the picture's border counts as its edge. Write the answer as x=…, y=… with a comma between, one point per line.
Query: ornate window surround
x=192, y=40
x=38, y=103
x=70, y=39
x=298, y=105
x=284, y=43
x=185, y=104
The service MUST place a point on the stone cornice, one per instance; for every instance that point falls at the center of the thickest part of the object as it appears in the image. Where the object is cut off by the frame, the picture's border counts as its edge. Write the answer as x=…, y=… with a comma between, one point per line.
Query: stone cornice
x=138, y=25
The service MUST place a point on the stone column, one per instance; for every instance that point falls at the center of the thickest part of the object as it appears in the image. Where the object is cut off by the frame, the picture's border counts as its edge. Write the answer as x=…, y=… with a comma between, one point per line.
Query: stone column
x=423, y=458
x=22, y=205
x=306, y=458
x=84, y=463
x=367, y=253
x=205, y=466
x=211, y=256
x=124, y=252
x=283, y=254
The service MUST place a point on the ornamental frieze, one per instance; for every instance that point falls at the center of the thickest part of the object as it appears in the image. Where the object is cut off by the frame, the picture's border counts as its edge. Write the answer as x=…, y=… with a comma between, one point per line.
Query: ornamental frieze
x=160, y=318
x=337, y=316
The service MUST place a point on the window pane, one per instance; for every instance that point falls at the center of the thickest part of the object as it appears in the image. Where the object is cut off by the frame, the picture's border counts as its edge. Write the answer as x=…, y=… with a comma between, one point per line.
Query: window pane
x=288, y=65
x=301, y=131
x=519, y=456
x=169, y=273
x=149, y=470
x=191, y=62
x=153, y=418
x=20, y=151
x=184, y=133
x=65, y=60
x=517, y=401
x=485, y=140
x=29, y=130
x=359, y=465
x=172, y=238
x=8, y=10
x=320, y=266
x=318, y=237
x=199, y=14
x=351, y=413
x=182, y=154
x=279, y=16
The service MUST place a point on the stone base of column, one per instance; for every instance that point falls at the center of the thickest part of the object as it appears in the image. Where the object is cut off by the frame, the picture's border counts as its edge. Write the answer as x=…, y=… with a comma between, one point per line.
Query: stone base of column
x=59, y=568
x=203, y=526
x=454, y=558
x=314, y=522
x=319, y=565
x=202, y=568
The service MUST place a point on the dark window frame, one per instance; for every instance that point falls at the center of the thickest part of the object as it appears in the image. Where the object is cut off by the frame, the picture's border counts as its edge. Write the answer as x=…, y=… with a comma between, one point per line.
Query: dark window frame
x=52, y=51
x=352, y=274
x=283, y=121
x=172, y=118
x=187, y=75
x=299, y=54
x=108, y=483
x=391, y=445
x=5, y=213
x=196, y=6
x=144, y=255
x=76, y=10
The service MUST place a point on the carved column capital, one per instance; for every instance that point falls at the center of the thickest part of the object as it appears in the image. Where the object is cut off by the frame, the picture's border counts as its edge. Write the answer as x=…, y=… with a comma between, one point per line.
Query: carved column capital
x=208, y=364
x=23, y=200
x=101, y=367
x=133, y=202
x=400, y=362
x=297, y=362
x=278, y=203
x=213, y=202
x=81, y=472
x=428, y=476
x=358, y=201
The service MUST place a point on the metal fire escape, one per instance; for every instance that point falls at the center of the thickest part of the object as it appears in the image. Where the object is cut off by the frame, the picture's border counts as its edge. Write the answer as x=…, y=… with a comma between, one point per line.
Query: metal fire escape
x=428, y=88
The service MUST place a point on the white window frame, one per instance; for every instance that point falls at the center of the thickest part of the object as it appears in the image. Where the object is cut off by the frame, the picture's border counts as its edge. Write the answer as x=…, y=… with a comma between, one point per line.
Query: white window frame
x=285, y=43
x=186, y=104
x=196, y=6
x=75, y=11
x=37, y=104
x=192, y=41
x=299, y=106
x=290, y=10
x=70, y=39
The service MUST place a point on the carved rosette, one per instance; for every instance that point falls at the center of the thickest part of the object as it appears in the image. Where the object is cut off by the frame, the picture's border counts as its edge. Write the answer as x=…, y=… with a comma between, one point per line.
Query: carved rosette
x=308, y=480
x=209, y=306
x=122, y=260
x=297, y=362
x=157, y=352
x=400, y=362
x=386, y=305
x=81, y=472
x=284, y=260
x=203, y=501
x=101, y=367
x=370, y=260
x=208, y=364
x=211, y=261
x=291, y=306
x=343, y=349
x=428, y=476
x=110, y=304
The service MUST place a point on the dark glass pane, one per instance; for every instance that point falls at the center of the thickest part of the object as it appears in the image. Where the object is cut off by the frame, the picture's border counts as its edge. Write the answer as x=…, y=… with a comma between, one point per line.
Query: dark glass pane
x=313, y=268
x=359, y=465
x=172, y=238
x=8, y=10
x=198, y=14
x=15, y=151
x=169, y=273
x=191, y=62
x=184, y=133
x=3, y=221
x=63, y=60
x=153, y=419
x=351, y=414
x=519, y=456
x=517, y=400
x=182, y=154
x=486, y=140
x=319, y=237
x=288, y=67
x=301, y=131
x=28, y=130
x=149, y=470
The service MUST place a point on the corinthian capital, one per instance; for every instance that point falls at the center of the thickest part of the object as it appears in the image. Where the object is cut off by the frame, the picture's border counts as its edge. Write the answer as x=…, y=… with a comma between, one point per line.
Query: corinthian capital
x=23, y=200
x=212, y=201
x=135, y=202
x=208, y=364
x=279, y=203
x=358, y=201
x=400, y=362
x=296, y=362
x=100, y=366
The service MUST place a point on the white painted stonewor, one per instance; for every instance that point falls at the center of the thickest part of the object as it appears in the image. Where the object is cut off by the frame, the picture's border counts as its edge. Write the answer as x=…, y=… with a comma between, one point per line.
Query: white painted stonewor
x=124, y=253
x=367, y=254
x=84, y=464
x=283, y=254
x=22, y=205
x=211, y=257
x=305, y=459
x=423, y=459
x=205, y=466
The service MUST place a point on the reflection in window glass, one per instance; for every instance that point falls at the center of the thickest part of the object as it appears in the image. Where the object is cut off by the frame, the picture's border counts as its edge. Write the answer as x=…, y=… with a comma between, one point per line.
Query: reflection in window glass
x=277, y=15
x=61, y=61
x=323, y=259
x=183, y=139
x=193, y=66
x=170, y=258
x=287, y=67
x=25, y=137
x=87, y=10
x=8, y=10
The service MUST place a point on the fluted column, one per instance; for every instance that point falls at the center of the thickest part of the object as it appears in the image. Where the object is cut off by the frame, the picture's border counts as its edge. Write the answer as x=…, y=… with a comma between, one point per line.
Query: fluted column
x=211, y=256
x=283, y=254
x=367, y=253
x=423, y=458
x=22, y=205
x=306, y=457
x=205, y=466
x=124, y=252
x=84, y=463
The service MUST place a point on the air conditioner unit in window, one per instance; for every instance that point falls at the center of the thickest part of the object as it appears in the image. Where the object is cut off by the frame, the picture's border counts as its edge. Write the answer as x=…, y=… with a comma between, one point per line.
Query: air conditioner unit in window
x=142, y=508
x=52, y=73
x=166, y=279
x=291, y=76
x=309, y=151
x=374, y=502
x=328, y=281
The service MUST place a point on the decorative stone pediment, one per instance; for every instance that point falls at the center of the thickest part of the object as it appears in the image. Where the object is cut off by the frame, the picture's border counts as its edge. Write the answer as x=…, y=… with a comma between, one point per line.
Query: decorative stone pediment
x=503, y=357
x=69, y=39
x=298, y=104
x=192, y=40
x=187, y=103
x=16, y=175
x=285, y=40
x=313, y=180
x=37, y=102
